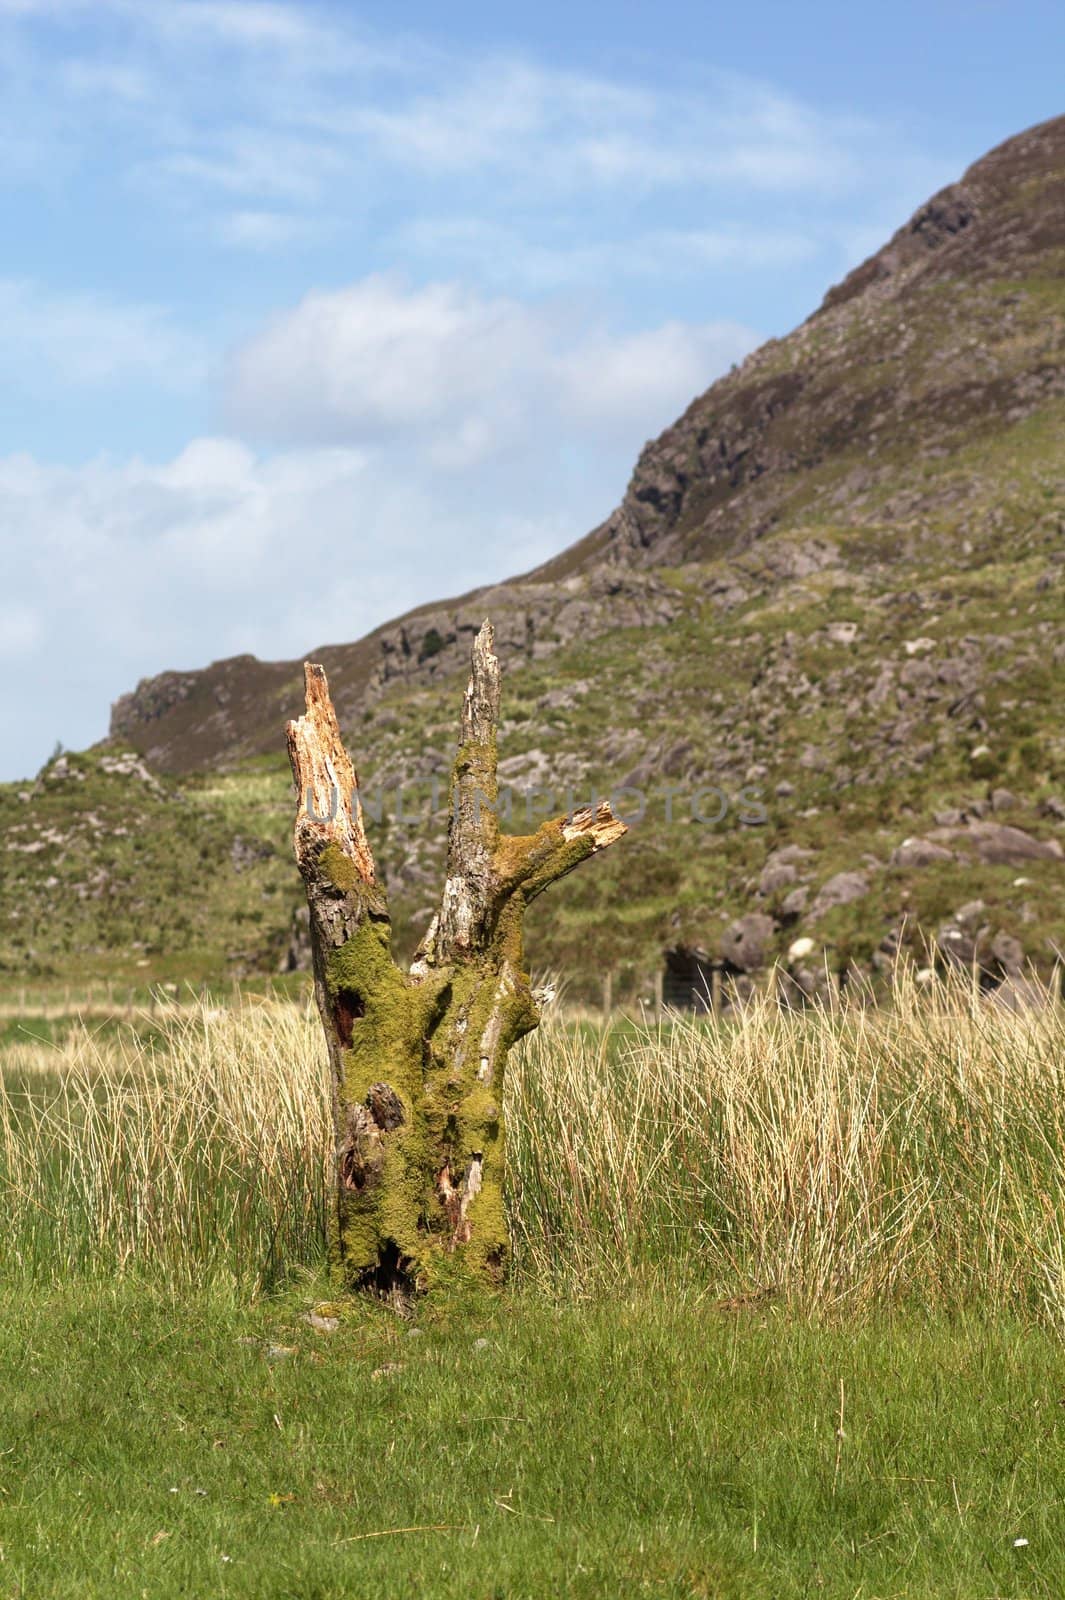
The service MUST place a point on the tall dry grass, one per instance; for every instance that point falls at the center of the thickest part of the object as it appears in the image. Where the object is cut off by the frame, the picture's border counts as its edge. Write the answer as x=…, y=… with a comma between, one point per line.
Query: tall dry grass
x=838, y=1159
x=200, y=1151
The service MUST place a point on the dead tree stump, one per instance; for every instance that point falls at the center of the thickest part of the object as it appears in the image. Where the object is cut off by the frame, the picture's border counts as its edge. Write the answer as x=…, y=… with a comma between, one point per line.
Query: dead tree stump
x=417, y=1058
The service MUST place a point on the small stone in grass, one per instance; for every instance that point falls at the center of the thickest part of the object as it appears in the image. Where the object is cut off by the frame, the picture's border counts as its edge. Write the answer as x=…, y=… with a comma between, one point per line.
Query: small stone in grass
x=322, y=1324
x=480, y=1344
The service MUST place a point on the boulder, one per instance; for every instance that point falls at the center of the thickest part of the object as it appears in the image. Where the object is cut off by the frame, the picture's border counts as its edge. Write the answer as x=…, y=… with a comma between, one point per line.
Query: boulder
x=1007, y=953
x=676, y=759
x=919, y=853
x=776, y=876
x=840, y=890
x=794, y=904
x=789, y=855
x=745, y=943
x=1016, y=993
x=999, y=844
x=956, y=945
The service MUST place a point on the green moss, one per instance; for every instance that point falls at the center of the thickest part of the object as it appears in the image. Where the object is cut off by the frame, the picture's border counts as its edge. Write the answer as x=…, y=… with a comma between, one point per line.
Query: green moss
x=426, y=1042
x=338, y=868
x=489, y=1246
x=535, y=861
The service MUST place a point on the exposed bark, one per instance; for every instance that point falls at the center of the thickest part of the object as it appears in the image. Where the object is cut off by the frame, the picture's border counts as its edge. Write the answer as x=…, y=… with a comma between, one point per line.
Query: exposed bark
x=417, y=1057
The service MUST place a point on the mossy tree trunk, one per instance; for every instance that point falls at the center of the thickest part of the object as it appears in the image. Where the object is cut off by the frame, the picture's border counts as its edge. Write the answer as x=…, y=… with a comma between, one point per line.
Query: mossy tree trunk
x=417, y=1057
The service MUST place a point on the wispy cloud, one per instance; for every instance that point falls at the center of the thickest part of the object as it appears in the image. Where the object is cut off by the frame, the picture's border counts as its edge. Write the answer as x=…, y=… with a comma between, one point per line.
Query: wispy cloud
x=569, y=130
x=249, y=163
x=244, y=22
x=271, y=230
x=259, y=101
x=88, y=340
x=534, y=262
x=111, y=80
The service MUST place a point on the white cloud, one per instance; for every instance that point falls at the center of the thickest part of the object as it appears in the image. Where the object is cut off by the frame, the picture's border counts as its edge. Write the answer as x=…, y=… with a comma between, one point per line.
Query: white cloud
x=569, y=131
x=467, y=376
x=243, y=21
x=644, y=377
x=87, y=340
x=385, y=397
x=249, y=161
x=113, y=80
x=255, y=23
x=147, y=566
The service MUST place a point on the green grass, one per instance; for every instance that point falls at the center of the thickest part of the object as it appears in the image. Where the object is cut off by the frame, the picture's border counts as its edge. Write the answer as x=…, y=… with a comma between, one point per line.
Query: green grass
x=641, y=1444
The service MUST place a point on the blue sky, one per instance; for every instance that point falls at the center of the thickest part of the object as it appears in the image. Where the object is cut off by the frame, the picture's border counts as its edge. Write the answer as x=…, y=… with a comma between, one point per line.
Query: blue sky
x=309, y=313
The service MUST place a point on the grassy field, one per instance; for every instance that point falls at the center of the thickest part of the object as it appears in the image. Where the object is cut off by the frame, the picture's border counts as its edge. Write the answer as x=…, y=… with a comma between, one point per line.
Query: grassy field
x=635, y=1444
x=785, y=1319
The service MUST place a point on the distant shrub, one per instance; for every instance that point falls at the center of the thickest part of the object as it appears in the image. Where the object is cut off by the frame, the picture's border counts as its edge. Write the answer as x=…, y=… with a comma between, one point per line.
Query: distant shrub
x=431, y=645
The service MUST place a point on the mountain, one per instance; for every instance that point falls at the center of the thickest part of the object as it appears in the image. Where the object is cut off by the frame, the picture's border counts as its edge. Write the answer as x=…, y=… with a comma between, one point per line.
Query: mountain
x=833, y=592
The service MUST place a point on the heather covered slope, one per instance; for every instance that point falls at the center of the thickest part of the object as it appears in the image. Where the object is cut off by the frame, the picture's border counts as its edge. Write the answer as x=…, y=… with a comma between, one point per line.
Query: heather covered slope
x=836, y=582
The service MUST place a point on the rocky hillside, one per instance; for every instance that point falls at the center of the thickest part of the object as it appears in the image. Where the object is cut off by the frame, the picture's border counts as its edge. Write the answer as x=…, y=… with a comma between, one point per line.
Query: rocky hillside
x=949, y=332
x=823, y=637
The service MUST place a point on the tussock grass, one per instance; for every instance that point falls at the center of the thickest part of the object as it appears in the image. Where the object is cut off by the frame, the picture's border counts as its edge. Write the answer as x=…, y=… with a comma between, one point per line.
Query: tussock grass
x=201, y=1151
x=836, y=1160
